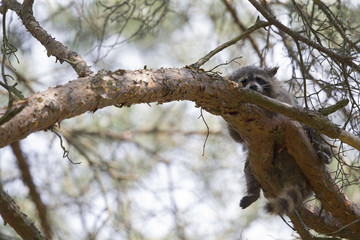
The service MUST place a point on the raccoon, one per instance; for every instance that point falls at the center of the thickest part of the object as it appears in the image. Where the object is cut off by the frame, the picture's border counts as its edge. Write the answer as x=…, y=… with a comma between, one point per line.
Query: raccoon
x=295, y=187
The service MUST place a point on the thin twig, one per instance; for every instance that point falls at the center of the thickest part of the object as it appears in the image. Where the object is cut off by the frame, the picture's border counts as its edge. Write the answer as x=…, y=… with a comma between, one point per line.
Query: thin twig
x=207, y=130
x=259, y=24
x=296, y=36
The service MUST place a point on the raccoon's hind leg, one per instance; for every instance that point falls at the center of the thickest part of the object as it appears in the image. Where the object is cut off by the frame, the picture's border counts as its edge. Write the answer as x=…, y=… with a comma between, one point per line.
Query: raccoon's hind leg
x=253, y=188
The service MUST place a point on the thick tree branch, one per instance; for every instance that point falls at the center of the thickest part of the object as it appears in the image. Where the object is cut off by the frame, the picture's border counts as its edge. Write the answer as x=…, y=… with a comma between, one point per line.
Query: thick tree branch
x=125, y=88
x=327, y=191
x=216, y=95
x=12, y=215
x=260, y=130
x=300, y=226
x=53, y=47
x=324, y=223
x=312, y=119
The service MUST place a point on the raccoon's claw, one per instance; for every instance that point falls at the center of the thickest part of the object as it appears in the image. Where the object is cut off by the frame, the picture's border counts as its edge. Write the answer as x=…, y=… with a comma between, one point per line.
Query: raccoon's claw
x=248, y=200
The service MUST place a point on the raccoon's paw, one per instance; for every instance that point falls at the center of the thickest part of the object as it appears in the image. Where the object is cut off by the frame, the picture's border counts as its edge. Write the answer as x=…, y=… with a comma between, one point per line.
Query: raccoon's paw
x=248, y=200
x=324, y=157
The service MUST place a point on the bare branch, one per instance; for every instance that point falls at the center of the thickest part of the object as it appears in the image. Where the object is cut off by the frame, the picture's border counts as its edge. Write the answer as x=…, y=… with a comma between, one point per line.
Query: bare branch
x=12, y=215
x=296, y=36
x=33, y=192
x=53, y=47
x=234, y=15
x=125, y=88
x=335, y=23
x=259, y=24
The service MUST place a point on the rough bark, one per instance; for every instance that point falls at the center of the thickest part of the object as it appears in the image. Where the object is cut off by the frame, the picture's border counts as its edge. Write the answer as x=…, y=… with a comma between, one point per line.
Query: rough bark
x=324, y=223
x=125, y=88
x=257, y=126
x=261, y=130
x=327, y=191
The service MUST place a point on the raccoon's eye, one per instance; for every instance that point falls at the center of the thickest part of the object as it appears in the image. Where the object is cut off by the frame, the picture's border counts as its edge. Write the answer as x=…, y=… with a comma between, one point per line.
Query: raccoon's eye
x=261, y=81
x=244, y=82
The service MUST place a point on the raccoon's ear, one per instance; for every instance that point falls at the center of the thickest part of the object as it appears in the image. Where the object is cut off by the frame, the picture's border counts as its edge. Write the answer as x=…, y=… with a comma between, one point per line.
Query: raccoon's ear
x=272, y=71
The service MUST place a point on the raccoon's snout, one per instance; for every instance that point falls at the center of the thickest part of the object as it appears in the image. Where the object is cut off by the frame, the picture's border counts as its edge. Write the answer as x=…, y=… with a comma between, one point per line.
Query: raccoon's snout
x=254, y=87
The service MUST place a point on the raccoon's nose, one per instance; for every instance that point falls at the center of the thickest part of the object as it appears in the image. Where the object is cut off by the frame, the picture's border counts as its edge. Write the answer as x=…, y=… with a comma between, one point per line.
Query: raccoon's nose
x=253, y=87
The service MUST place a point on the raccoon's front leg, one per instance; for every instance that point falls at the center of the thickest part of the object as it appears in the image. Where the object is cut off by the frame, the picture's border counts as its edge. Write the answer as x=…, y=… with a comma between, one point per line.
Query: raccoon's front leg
x=323, y=149
x=253, y=188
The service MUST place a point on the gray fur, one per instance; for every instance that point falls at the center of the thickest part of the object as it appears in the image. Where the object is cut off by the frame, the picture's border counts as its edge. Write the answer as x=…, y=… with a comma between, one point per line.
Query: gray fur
x=295, y=187
x=275, y=89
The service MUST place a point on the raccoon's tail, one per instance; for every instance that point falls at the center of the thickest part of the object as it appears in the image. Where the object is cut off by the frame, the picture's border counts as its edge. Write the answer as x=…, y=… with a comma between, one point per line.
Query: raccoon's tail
x=288, y=200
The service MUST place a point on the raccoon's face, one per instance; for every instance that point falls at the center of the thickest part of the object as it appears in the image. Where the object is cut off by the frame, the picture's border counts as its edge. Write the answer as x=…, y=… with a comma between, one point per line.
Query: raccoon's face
x=255, y=83
x=255, y=79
